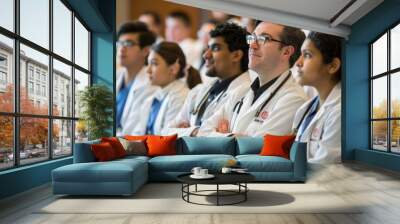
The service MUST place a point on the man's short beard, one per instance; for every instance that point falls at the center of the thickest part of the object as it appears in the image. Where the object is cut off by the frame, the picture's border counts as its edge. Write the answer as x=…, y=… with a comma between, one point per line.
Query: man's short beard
x=211, y=73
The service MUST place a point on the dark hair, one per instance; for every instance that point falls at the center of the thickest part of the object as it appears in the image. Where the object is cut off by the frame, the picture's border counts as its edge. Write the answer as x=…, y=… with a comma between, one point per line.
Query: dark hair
x=235, y=38
x=193, y=77
x=145, y=38
x=294, y=37
x=328, y=45
x=182, y=16
x=156, y=17
x=170, y=52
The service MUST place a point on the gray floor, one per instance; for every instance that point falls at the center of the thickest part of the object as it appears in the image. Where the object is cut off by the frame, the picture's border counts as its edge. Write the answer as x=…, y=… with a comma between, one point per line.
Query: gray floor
x=379, y=189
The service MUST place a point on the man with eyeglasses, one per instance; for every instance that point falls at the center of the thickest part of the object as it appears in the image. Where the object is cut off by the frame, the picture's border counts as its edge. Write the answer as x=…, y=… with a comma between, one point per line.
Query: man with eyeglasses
x=226, y=59
x=272, y=99
x=133, y=84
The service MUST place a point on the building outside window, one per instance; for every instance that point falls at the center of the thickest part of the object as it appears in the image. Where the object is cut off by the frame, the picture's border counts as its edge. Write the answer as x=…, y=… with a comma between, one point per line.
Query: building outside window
x=30, y=72
x=30, y=87
x=385, y=91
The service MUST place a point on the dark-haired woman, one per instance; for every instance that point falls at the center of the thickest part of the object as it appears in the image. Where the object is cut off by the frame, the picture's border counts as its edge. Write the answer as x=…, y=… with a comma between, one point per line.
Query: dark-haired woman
x=318, y=121
x=166, y=66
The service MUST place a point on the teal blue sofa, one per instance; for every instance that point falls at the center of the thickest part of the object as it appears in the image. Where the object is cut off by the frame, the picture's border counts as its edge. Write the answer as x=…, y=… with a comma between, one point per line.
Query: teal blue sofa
x=125, y=176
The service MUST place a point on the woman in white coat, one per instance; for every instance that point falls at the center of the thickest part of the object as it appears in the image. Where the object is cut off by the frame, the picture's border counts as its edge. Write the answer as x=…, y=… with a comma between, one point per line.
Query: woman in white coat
x=166, y=65
x=318, y=121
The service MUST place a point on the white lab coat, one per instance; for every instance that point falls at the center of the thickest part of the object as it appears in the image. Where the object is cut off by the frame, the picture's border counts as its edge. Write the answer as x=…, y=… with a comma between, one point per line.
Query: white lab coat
x=238, y=86
x=141, y=89
x=276, y=117
x=173, y=96
x=323, y=134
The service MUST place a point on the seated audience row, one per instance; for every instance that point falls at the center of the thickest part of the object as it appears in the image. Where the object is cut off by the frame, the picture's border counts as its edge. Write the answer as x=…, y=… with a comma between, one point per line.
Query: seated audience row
x=235, y=103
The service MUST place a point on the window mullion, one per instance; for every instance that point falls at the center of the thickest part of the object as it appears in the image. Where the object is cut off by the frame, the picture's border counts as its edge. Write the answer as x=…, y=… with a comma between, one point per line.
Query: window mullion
x=73, y=82
x=389, y=106
x=50, y=81
x=16, y=70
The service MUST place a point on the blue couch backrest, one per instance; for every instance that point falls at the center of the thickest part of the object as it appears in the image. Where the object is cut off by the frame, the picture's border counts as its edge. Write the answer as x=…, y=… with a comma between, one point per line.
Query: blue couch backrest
x=205, y=145
x=249, y=145
x=83, y=153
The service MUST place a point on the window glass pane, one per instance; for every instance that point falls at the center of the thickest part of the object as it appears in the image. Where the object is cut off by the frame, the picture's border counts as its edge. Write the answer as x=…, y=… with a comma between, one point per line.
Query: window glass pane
x=34, y=97
x=81, y=45
x=7, y=14
x=62, y=138
x=6, y=74
x=379, y=55
x=81, y=131
x=379, y=97
x=395, y=94
x=379, y=135
x=395, y=136
x=6, y=142
x=81, y=81
x=62, y=89
x=35, y=21
x=62, y=29
x=33, y=139
x=395, y=47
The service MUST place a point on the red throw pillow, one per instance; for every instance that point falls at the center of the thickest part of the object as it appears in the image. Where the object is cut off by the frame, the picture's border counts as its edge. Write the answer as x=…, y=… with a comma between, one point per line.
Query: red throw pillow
x=277, y=145
x=116, y=145
x=103, y=151
x=161, y=145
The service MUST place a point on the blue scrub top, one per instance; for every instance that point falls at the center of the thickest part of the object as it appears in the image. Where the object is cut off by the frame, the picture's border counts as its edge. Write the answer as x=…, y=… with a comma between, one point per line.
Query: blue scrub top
x=121, y=100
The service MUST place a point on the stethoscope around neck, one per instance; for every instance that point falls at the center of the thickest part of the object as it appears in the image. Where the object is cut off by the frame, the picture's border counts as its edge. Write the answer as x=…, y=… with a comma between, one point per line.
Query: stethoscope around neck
x=238, y=105
x=204, y=99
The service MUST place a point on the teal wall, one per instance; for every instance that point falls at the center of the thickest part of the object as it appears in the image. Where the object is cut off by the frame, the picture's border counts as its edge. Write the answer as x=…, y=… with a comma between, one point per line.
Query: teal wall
x=99, y=16
x=356, y=86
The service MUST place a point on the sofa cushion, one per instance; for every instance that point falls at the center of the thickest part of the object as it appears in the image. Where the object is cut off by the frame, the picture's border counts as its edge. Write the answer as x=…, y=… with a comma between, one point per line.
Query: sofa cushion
x=116, y=145
x=111, y=171
x=275, y=145
x=185, y=163
x=257, y=163
x=206, y=145
x=136, y=147
x=103, y=152
x=161, y=145
x=249, y=145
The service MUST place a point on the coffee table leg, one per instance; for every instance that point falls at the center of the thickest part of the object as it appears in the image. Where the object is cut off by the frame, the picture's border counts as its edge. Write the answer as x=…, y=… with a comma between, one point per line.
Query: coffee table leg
x=196, y=188
x=245, y=191
x=217, y=194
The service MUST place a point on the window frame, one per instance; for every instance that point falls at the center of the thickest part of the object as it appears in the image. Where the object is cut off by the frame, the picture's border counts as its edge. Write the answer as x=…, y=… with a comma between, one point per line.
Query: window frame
x=388, y=74
x=16, y=115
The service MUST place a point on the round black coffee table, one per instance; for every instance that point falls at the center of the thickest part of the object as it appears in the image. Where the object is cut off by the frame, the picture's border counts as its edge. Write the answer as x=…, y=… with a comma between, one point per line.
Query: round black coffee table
x=238, y=179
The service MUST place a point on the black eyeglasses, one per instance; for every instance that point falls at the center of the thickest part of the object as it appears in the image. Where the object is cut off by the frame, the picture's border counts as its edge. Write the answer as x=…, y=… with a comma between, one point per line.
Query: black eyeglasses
x=262, y=39
x=126, y=43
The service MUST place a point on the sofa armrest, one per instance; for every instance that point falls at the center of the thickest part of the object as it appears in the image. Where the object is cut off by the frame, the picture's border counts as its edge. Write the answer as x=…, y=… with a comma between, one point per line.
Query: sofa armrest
x=83, y=152
x=298, y=155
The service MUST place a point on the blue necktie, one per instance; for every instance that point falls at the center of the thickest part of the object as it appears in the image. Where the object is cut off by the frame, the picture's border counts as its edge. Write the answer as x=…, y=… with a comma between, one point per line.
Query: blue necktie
x=155, y=108
x=121, y=101
x=310, y=116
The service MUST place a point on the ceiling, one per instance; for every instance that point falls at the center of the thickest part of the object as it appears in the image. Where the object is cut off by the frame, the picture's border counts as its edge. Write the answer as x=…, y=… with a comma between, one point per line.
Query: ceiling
x=328, y=16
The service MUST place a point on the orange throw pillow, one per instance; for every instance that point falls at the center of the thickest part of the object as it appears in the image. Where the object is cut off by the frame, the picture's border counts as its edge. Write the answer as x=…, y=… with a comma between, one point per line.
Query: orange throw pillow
x=103, y=151
x=161, y=145
x=277, y=145
x=136, y=138
x=116, y=145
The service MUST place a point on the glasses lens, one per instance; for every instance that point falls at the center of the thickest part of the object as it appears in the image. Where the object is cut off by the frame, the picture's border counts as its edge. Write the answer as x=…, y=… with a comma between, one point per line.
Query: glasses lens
x=126, y=43
x=250, y=39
